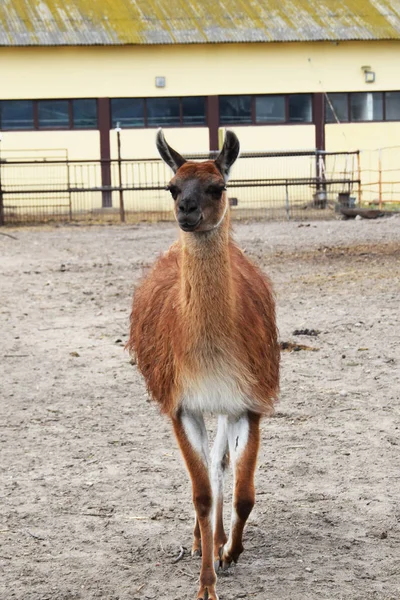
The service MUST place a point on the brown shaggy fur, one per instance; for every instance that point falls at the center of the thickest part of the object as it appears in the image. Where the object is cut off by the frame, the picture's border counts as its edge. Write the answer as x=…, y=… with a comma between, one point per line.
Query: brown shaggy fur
x=204, y=302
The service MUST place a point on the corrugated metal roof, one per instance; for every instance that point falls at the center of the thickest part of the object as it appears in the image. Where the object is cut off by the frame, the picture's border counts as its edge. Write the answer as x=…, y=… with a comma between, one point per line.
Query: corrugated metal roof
x=119, y=22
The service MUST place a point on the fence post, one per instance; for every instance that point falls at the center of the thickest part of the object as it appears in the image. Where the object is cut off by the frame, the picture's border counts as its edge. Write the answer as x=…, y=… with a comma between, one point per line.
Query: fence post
x=380, y=177
x=69, y=190
x=2, y=220
x=121, y=192
x=287, y=205
x=359, y=178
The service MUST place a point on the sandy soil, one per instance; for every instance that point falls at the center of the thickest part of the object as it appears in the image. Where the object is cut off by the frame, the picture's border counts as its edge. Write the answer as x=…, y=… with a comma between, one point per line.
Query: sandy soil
x=95, y=501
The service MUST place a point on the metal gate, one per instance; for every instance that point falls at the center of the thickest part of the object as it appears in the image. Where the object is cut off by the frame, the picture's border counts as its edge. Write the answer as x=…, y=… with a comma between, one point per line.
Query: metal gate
x=273, y=185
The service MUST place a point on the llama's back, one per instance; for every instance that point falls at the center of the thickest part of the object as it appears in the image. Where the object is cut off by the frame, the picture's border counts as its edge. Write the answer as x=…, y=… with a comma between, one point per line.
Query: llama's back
x=152, y=324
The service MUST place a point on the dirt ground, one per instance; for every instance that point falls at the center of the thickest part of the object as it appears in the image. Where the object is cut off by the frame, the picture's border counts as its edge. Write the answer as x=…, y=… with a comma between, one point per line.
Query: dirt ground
x=94, y=498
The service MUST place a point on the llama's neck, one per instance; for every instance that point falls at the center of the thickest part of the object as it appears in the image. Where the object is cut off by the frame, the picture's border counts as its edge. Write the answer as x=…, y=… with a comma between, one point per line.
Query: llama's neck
x=206, y=279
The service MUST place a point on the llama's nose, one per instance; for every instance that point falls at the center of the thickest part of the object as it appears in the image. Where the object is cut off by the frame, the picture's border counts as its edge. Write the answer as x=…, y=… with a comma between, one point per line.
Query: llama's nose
x=188, y=205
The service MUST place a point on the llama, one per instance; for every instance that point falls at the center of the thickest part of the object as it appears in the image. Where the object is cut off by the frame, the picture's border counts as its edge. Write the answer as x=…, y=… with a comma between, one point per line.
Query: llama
x=204, y=334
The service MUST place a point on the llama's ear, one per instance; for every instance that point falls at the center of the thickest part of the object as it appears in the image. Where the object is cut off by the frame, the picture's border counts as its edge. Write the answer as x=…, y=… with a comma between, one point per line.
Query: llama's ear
x=168, y=154
x=228, y=155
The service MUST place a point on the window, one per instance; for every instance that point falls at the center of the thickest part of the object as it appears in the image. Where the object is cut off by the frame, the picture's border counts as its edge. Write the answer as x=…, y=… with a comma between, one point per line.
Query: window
x=53, y=114
x=84, y=114
x=16, y=114
x=300, y=108
x=265, y=109
x=362, y=106
x=163, y=112
x=336, y=108
x=235, y=109
x=127, y=112
x=366, y=106
x=48, y=114
x=194, y=111
x=270, y=109
x=392, y=105
x=158, y=112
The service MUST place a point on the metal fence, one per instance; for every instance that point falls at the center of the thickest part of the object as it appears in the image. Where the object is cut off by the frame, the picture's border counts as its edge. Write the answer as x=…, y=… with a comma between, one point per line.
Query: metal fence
x=274, y=185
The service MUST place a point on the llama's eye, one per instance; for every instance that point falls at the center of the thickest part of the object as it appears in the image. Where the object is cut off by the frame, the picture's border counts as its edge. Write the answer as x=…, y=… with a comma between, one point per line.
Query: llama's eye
x=215, y=190
x=174, y=191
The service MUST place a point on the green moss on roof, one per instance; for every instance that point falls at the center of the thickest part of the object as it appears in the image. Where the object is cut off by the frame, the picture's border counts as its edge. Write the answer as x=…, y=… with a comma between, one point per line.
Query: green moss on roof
x=116, y=22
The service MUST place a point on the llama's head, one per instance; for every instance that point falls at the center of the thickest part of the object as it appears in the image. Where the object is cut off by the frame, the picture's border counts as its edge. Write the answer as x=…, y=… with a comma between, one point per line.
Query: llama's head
x=199, y=188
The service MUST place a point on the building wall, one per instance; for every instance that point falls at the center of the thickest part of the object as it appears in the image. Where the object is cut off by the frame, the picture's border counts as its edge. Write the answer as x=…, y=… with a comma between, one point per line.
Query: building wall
x=96, y=72
x=206, y=70
x=197, y=69
x=77, y=144
x=140, y=143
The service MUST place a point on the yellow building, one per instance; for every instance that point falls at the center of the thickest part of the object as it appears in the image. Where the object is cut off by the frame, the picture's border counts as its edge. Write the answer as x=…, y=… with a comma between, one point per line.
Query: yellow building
x=297, y=74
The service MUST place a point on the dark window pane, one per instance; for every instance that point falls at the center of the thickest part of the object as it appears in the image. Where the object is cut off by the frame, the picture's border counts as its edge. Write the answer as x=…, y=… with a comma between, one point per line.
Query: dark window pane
x=235, y=109
x=85, y=114
x=128, y=112
x=194, y=111
x=336, y=108
x=392, y=106
x=270, y=109
x=17, y=114
x=300, y=108
x=366, y=106
x=53, y=114
x=163, y=111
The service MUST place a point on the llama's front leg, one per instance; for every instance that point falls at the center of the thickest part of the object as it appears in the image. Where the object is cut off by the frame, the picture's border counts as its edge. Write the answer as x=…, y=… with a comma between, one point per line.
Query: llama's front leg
x=219, y=463
x=192, y=437
x=244, y=439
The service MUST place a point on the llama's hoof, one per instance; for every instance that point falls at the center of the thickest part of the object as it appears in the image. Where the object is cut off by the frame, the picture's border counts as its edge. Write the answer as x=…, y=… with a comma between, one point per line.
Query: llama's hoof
x=196, y=552
x=226, y=558
x=207, y=593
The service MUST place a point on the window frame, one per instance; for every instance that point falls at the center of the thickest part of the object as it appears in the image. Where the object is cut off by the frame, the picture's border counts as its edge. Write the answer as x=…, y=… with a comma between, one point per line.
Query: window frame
x=254, y=122
x=181, y=123
x=285, y=109
x=384, y=106
x=35, y=115
x=350, y=120
x=115, y=125
x=2, y=128
x=350, y=94
x=69, y=113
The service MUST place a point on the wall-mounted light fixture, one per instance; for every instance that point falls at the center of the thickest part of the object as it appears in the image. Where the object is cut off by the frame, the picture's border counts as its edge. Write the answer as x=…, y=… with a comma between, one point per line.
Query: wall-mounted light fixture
x=160, y=82
x=369, y=75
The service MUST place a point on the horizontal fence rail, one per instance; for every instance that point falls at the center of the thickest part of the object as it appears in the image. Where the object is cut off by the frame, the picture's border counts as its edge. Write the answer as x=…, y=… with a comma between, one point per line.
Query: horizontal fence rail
x=271, y=185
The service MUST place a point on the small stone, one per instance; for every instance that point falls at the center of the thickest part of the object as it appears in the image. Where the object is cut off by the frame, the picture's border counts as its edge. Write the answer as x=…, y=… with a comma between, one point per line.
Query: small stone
x=343, y=393
x=384, y=535
x=308, y=570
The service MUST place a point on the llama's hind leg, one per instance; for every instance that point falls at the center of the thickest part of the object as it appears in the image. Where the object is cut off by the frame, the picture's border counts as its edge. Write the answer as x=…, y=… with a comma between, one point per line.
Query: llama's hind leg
x=192, y=437
x=244, y=439
x=219, y=463
x=196, y=547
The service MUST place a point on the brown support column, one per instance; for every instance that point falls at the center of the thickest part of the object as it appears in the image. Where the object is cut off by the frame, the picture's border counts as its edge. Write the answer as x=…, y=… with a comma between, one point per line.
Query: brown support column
x=104, y=119
x=319, y=120
x=213, y=120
